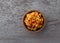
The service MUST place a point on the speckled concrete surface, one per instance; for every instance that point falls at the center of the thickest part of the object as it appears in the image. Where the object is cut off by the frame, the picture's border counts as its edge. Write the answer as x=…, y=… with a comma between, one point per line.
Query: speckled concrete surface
x=12, y=30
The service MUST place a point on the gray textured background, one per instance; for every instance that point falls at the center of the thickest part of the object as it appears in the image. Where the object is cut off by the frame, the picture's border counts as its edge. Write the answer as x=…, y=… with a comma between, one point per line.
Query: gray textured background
x=12, y=30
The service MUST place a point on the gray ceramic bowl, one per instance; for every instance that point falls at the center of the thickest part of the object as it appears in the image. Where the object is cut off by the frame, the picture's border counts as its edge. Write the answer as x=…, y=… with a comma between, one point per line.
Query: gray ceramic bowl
x=39, y=29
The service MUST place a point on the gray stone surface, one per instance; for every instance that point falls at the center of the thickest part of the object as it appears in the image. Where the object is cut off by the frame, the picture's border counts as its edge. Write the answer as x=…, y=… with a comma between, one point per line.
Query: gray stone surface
x=12, y=30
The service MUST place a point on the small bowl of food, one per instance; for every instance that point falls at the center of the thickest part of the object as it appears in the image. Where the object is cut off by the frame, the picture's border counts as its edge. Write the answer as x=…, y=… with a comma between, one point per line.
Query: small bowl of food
x=33, y=21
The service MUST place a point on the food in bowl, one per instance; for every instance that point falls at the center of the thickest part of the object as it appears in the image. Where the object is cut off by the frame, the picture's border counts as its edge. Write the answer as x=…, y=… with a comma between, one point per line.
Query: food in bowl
x=33, y=20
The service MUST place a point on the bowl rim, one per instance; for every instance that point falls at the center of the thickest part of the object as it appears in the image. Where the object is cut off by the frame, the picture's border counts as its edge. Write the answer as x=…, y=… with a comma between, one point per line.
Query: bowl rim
x=41, y=27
